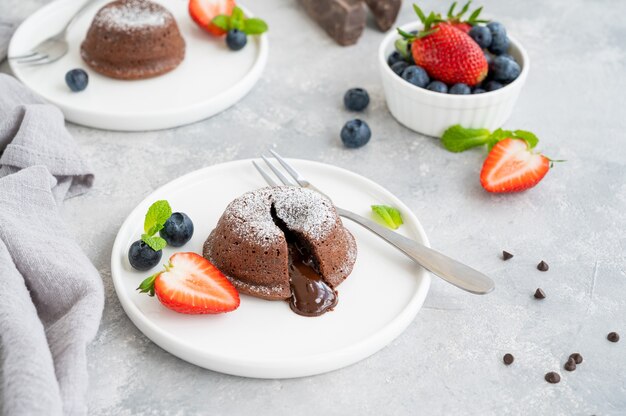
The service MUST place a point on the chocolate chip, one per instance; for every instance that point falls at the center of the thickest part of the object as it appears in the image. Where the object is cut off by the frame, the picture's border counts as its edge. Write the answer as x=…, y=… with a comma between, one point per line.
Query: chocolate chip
x=543, y=266
x=613, y=337
x=570, y=365
x=508, y=359
x=576, y=357
x=540, y=294
x=506, y=255
x=552, y=377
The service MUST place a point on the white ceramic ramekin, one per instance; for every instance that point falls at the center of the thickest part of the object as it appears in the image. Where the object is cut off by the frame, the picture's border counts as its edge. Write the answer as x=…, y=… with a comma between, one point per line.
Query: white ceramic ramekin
x=431, y=113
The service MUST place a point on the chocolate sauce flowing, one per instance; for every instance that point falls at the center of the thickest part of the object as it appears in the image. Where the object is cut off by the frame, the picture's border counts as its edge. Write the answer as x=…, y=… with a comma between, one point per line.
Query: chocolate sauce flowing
x=310, y=295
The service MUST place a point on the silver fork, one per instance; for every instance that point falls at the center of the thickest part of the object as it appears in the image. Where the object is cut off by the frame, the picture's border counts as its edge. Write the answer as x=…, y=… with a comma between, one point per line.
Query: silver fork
x=450, y=270
x=51, y=49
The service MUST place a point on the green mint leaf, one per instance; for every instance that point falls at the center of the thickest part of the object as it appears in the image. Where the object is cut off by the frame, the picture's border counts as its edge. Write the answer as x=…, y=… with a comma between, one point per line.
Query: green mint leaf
x=401, y=46
x=237, y=19
x=498, y=135
x=388, y=216
x=458, y=139
x=254, y=26
x=222, y=21
x=155, y=243
x=158, y=213
x=529, y=137
x=147, y=286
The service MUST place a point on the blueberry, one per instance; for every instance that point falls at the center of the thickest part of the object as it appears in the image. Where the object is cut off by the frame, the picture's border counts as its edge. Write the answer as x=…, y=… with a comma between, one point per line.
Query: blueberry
x=437, y=86
x=356, y=99
x=236, y=39
x=355, y=133
x=493, y=85
x=481, y=35
x=178, y=229
x=77, y=79
x=416, y=75
x=499, y=39
x=460, y=89
x=508, y=56
x=478, y=90
x=394, y=57
x=504, y=69
x=488, y=57
x=142, y=257
x=399, y=67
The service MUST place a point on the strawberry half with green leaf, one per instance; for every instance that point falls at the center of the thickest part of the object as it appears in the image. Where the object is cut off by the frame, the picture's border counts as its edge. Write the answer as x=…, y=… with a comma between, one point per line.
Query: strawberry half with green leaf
x=511, y=166
x=204, y=11
x=191, y=284
x=447, y=54
x=456, y=20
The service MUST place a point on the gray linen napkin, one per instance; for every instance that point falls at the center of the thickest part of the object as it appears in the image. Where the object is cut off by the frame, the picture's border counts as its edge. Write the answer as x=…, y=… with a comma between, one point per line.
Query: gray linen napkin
x=52, y=296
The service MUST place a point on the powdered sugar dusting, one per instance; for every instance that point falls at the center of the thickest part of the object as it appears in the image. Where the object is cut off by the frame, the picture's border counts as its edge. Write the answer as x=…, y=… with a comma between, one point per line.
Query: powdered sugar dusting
x=132, y=15
x=306, y=211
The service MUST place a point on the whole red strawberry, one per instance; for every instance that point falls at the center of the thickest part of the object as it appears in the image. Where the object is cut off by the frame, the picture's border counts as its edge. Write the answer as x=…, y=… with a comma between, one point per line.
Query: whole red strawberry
x=446, y=53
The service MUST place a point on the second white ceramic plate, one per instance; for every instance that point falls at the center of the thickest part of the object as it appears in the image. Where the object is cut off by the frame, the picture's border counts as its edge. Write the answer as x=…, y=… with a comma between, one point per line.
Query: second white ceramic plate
x=266, y=339
x=210, y=79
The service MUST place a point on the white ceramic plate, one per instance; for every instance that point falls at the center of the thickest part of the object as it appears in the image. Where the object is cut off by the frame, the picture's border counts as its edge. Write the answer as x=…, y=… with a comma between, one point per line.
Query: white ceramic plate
x=210, y=79
x=265, y=339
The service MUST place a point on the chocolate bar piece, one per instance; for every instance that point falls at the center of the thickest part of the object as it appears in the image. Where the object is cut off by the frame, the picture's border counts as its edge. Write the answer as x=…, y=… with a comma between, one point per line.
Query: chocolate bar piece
x=385, y=12
x=343, y=20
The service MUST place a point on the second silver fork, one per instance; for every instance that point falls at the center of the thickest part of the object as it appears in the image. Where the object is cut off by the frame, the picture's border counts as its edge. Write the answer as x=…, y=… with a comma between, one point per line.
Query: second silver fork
x=450, y=270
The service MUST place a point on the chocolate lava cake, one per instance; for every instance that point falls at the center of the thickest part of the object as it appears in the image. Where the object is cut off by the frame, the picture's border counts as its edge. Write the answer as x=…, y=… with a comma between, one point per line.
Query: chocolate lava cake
x=284, y=243
x=133, y=39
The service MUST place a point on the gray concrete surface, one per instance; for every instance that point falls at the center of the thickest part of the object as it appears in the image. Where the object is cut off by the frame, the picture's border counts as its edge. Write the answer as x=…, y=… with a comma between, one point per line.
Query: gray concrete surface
x=449, y=361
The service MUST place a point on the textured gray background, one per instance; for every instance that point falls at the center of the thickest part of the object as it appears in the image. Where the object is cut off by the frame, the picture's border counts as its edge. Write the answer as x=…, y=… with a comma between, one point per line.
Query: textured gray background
x=449, y=359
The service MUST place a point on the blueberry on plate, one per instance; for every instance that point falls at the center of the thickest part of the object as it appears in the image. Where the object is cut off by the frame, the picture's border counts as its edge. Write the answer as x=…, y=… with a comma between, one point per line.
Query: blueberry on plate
x=460, y=89
x=478, y=90
x=416, y=75
x=499, y=38
x=504, y=69
x=77, y=79
x=356, y=99
x=394, y=57
x=236, y=39
x=493, y=85
x=481, y=35
x=399, y=67
x=142, y=257
x=177, y=230
x=437, y=86
x=355, y=133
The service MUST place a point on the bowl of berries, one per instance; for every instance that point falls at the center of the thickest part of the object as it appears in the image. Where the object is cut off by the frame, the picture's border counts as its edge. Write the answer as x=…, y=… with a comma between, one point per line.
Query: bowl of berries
x=442, y=71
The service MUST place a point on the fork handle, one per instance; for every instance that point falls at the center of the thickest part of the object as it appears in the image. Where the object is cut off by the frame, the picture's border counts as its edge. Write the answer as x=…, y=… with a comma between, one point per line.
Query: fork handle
x=450, y=270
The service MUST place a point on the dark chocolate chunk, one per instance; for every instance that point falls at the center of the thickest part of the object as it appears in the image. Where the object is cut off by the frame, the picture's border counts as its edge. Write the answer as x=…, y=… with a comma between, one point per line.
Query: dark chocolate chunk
x=613, y=337
x=343, y=20
x=576, y=357
x=543, y=266
x=540, y=294
x=506, y=255
x=385, y=12
x=570, y=365
x=553, y=377
x=508, y=359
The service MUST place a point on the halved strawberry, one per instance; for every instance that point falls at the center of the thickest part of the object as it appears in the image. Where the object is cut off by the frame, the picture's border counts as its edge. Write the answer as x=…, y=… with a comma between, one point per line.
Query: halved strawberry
x=191, y=284
x=204, y=11
x=511, y=166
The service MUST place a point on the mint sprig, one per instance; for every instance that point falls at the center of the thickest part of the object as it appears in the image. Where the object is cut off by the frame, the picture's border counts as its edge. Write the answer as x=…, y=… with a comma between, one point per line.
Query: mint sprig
x=458, y=139
x=158, y=213
x=238, y=20
x=388, y=216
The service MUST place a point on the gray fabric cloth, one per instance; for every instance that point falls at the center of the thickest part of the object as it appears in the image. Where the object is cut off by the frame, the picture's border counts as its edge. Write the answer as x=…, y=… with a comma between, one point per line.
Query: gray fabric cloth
x=52, y=296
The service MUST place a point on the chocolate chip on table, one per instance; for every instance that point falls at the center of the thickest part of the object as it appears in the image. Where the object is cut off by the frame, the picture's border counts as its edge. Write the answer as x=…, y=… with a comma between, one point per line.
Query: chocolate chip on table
x=570, y=365
x=543, y=266
x=506, y=255
x=552, y=377
x=613, y=337
x=576, y=357
x=540, y=294
x=508, y=359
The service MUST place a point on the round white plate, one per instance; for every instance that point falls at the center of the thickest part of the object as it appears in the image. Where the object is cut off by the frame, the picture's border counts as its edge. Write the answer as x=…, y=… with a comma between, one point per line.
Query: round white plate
x=265, y=339
x=210, y=79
